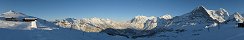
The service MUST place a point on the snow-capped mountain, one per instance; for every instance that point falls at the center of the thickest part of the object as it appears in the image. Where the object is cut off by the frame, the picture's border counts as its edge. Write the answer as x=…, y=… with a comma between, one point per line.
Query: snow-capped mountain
x=164, y=20
x=91, y=24
x=236, y=18
x=13, y=14
x=144, y=22
x=139, y=23
x=199, y=24
x=199, y=19
x=166, y=17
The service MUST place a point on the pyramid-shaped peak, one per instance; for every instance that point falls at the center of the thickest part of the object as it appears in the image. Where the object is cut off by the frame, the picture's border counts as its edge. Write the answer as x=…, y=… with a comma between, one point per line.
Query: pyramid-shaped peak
x=201, y=8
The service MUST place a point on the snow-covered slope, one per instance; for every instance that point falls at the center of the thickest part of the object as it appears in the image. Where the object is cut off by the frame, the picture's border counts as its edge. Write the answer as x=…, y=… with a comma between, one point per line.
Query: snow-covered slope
x=21, y=25
x=57, y=34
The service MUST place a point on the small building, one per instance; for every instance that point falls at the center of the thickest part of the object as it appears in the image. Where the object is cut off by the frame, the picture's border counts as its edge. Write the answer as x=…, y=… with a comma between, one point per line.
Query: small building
x=11, y=19
x=29, y=19
x=32, y=20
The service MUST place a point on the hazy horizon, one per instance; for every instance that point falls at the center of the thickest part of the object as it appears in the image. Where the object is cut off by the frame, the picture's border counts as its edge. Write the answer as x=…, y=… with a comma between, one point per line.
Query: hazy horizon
x=113, y=9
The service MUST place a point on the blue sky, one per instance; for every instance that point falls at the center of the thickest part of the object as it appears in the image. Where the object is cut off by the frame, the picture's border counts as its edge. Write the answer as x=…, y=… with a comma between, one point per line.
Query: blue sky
x=113, y=9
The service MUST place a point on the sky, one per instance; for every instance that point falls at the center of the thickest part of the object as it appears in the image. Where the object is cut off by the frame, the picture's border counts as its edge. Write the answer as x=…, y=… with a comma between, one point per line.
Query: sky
x=113, y=9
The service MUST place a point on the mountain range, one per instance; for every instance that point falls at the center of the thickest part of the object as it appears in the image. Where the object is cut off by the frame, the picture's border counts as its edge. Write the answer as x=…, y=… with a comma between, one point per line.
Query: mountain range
x=199, y=24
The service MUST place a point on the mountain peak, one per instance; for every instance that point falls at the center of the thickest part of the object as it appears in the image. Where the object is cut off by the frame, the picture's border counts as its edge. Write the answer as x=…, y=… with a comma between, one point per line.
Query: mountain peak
x=237, y=14
x=201, y=8
x=237, y=17
x=166, y=16
x=12, y=13
x=217, y=15
x=223, y=11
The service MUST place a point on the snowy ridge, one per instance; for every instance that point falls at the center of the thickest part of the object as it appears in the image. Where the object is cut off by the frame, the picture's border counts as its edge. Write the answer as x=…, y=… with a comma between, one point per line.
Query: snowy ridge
x=13, y=14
